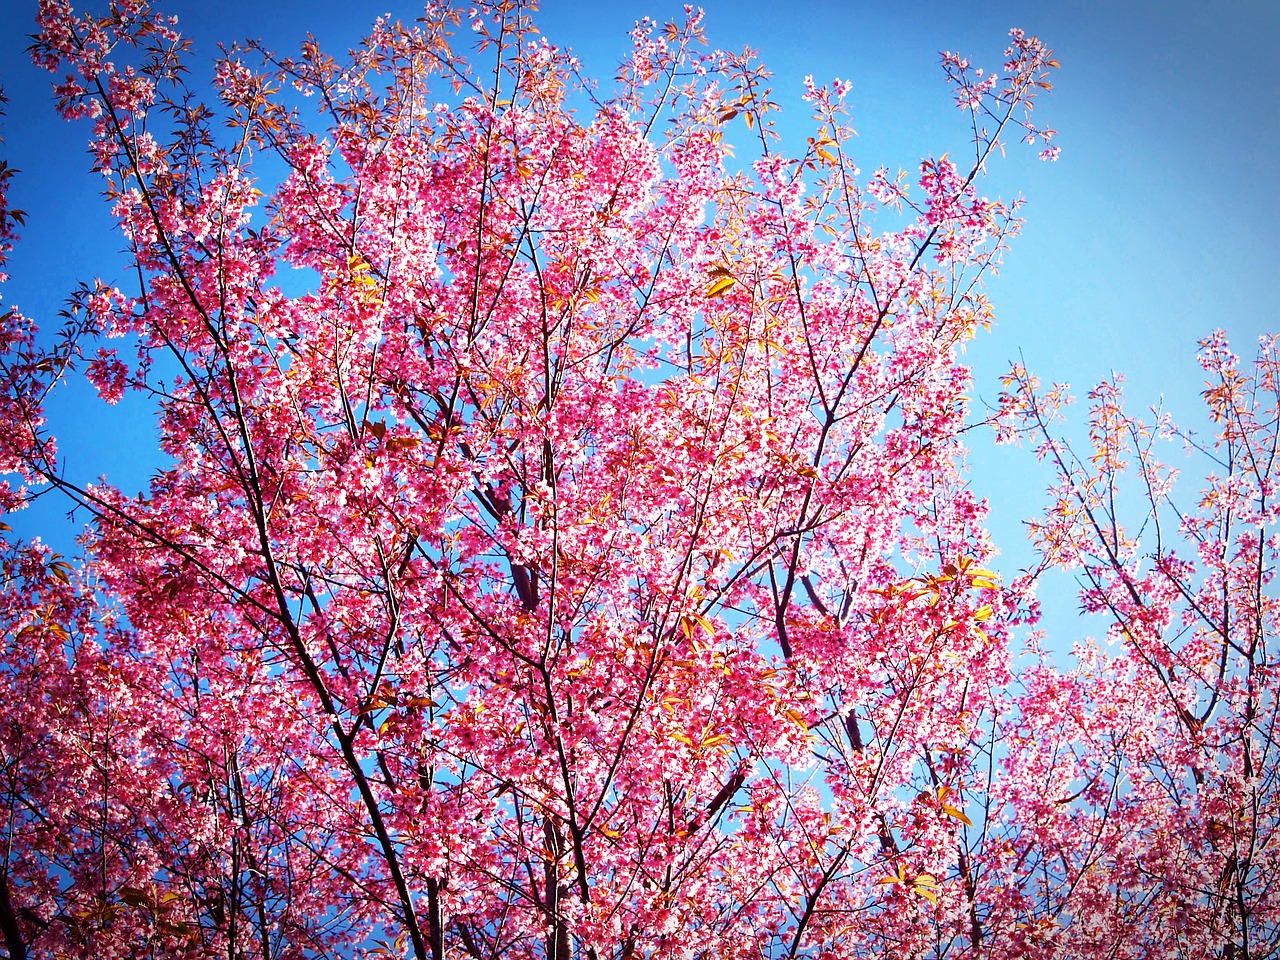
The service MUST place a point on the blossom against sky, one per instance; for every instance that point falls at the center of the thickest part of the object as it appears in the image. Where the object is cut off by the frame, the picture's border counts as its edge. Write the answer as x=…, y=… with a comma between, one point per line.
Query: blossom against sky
x=1156, y=226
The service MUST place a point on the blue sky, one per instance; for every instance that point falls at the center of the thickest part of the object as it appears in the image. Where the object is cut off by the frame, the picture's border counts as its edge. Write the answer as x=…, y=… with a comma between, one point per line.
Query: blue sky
x=1157, y=225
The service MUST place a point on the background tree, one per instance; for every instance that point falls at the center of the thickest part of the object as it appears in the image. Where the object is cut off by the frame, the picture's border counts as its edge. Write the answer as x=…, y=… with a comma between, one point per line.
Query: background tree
x=1180, y=716
x=580, y=561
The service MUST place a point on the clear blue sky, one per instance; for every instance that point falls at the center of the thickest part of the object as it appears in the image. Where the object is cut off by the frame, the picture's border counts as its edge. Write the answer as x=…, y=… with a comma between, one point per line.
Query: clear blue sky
x=1158, y=223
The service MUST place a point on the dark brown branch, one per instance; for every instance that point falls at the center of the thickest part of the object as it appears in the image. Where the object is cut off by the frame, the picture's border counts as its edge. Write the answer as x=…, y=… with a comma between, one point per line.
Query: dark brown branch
x=13, y=941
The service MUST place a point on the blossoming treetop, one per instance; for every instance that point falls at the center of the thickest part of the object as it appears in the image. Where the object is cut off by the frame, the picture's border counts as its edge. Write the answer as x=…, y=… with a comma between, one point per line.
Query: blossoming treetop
x=583, y=565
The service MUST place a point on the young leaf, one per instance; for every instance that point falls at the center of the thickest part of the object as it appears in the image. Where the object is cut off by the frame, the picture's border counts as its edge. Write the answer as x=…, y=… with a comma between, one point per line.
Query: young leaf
x=720, y=287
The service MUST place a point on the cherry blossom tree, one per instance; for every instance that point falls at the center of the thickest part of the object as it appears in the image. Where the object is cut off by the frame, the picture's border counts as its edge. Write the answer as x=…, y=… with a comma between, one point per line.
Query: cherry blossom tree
x=1156, y=757
x=562, y=546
